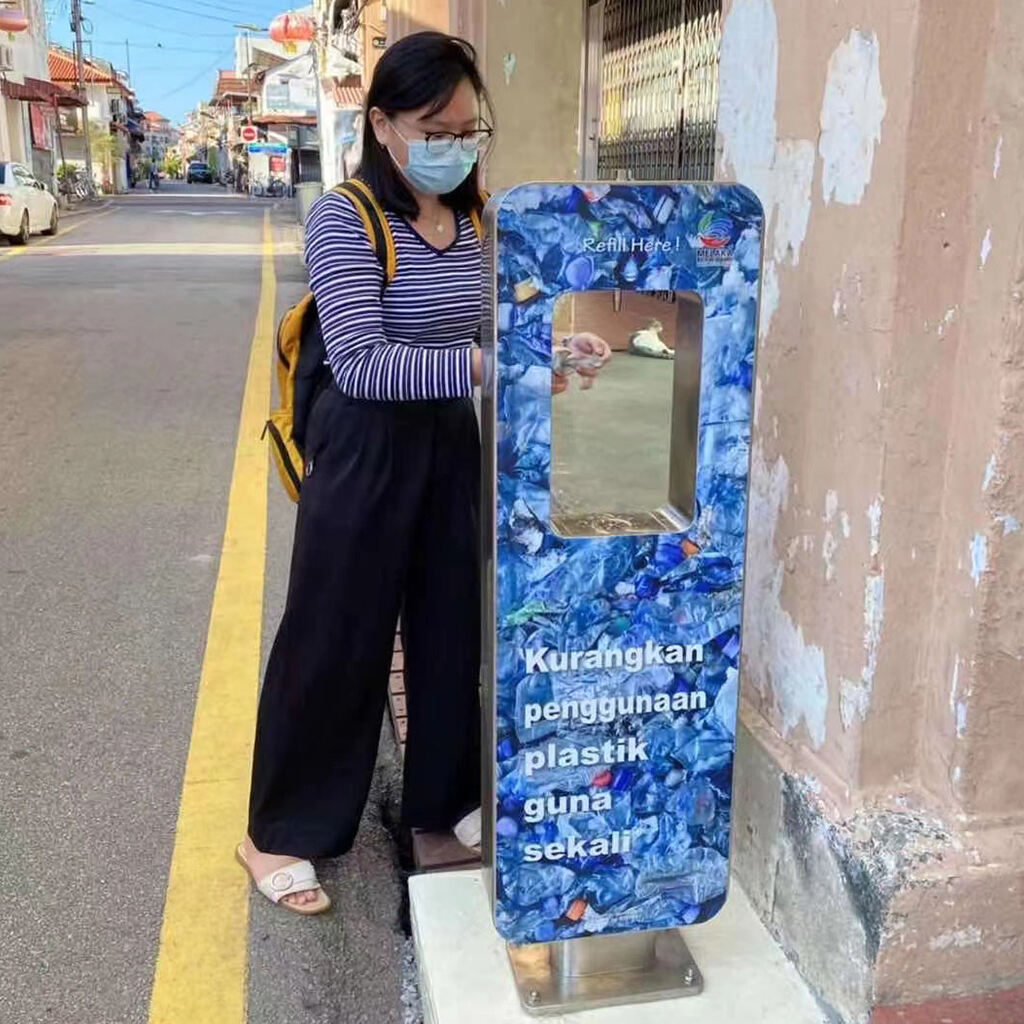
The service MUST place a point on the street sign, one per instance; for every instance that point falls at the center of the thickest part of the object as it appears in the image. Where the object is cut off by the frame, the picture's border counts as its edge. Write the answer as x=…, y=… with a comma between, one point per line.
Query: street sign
x=249, y=133
x=615, y=525
x=277, y=148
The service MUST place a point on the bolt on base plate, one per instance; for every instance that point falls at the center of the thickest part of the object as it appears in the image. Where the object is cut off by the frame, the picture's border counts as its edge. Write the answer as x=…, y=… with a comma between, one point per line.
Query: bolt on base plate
x=604, y=970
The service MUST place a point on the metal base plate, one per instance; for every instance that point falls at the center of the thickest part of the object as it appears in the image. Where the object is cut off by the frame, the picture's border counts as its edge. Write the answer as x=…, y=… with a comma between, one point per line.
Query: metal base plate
x=667, y=971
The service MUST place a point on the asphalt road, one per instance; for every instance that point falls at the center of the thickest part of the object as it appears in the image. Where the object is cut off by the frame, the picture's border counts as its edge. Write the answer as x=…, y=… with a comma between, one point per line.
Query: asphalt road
x=123, y=351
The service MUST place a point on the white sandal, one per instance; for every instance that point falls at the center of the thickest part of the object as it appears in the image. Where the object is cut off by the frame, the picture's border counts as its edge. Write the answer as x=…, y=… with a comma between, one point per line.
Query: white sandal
x=297, y=877
x=467, y=830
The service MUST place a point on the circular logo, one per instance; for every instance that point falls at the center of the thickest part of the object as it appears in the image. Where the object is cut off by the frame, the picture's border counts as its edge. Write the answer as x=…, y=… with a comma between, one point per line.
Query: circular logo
x=249, y=133
x=715, y=230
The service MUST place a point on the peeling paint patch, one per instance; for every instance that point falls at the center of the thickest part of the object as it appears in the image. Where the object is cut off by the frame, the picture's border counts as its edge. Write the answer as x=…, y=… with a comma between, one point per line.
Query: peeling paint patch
x=986, y=247
x=828, y=554
x=961, y=718
x=1011, y=524
x=852, y=113
x=781, y=660
x=874, y=515
x=854, y=701
x=769, y=299
x=979, y=557
x=949, y=317
x=998, y=161
x=831, y=506
x=793, y=549
x=954, y=684
x=874, y=613
x=844, y=522
x=855, y=695
x=969, y=936
x=829, y=543
x=749, y=74
x=990, y=474
x=793, y=176
x=508, y=63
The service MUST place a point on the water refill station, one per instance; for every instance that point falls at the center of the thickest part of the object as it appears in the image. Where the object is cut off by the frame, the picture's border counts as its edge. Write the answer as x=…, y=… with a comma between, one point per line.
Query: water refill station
x=614, y=535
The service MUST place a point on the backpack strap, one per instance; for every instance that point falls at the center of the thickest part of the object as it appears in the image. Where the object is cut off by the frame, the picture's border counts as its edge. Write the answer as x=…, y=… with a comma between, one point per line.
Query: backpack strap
x=377, y=228
x=474, y=215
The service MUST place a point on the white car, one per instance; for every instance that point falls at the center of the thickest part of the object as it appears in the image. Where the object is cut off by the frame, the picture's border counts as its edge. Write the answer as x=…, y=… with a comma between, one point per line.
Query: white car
x=26, y=208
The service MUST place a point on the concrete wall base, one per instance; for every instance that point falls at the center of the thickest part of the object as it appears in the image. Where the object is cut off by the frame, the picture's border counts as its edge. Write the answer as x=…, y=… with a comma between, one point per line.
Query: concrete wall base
x=465, y=977
x=875, y=905
x=995, y=1008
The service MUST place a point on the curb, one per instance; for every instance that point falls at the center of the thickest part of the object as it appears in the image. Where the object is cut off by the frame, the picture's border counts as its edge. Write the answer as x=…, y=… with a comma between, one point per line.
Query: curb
x=83, y=207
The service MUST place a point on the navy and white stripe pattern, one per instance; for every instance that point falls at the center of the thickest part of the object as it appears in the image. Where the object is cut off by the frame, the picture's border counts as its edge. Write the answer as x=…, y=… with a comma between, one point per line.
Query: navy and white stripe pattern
x=413, y=343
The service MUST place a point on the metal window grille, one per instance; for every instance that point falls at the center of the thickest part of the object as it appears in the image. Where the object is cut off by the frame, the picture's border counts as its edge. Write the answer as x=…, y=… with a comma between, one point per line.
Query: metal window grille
x=659, y=89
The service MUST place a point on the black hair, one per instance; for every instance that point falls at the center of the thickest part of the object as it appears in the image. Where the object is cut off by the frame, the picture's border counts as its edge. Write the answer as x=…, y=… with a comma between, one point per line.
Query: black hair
x=420, y=70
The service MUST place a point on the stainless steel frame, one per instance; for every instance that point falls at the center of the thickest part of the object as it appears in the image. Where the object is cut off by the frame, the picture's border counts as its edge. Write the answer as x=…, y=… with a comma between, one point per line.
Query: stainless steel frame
x=612, y=970
x=591, y=971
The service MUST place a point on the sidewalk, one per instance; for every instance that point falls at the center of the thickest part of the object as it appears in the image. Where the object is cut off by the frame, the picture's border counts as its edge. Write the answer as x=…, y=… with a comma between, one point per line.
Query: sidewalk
x=80, y=206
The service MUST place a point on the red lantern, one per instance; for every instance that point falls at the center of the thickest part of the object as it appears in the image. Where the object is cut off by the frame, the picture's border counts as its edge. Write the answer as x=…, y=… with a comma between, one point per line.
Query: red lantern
x=13, y=20
x=292, y=28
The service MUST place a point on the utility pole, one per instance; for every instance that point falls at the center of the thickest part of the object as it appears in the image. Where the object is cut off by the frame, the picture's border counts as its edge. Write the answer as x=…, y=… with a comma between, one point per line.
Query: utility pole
x=248, y=62
x=76, y=25
x=128, y=59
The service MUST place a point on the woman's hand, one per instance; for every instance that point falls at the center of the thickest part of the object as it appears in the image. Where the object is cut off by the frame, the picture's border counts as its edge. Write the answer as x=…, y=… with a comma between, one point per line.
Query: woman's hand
x=584, y=352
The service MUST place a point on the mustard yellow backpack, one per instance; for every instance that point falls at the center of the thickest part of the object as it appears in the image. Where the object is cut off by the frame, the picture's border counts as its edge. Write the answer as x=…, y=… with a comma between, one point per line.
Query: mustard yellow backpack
x=302, y=370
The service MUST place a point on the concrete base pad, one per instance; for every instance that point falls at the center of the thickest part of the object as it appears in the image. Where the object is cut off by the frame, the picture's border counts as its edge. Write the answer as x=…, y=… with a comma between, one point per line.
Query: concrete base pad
x=465, y=976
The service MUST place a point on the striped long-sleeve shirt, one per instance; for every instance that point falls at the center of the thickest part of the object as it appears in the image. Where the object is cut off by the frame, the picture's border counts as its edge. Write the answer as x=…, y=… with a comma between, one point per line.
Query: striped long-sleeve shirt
x=415, y=341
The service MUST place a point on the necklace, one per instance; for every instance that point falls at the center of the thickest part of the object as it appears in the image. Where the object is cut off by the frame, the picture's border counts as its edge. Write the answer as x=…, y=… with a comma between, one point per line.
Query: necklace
x=438, y=219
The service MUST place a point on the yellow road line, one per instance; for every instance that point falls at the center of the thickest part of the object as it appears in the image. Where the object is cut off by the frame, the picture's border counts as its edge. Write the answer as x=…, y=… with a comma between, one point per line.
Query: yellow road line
x=48, y=241
x=163, y=249
x=202, y=959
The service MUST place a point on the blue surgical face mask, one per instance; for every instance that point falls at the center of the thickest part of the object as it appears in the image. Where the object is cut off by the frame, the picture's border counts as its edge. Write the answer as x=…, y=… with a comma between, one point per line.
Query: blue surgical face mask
x=434, y=173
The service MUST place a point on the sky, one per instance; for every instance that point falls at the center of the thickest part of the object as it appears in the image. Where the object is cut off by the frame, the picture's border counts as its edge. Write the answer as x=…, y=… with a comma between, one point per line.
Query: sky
x=175, y=47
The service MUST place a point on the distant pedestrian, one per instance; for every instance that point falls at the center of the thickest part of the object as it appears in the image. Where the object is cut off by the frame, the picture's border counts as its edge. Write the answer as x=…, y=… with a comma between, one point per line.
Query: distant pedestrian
x=388, y=516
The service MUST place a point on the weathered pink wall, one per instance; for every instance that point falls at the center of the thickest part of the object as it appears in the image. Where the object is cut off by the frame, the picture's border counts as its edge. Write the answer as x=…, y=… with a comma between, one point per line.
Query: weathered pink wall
x=870, y=133
x=884, y=627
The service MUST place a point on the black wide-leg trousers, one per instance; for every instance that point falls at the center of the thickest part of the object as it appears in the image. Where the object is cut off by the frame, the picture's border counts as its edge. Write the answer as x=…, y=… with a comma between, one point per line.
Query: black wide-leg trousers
x=387, y=524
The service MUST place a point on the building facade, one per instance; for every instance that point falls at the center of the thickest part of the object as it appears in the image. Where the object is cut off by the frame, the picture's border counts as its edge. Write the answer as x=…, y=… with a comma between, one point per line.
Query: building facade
x=28, y=100
x=160, y=136
x=112, y=124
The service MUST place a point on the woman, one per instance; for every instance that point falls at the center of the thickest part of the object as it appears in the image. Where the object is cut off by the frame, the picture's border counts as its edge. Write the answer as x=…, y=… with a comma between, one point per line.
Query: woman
x=387, y=523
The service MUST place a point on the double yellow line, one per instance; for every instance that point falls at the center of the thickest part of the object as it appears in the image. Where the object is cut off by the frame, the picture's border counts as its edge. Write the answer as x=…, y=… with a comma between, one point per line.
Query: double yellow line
x=202, y=960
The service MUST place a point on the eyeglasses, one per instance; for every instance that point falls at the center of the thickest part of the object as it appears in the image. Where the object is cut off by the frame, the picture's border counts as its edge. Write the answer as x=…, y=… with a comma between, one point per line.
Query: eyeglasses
x=442, y=142
x=471, y=142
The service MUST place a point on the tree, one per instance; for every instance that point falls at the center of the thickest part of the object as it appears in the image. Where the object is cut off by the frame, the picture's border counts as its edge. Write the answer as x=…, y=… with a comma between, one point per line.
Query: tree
x=104, y=149
x=172, y=165
x=213, y=163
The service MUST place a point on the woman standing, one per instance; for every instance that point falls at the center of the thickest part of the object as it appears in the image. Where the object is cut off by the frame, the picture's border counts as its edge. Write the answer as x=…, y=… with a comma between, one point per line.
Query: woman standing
x=387, y=523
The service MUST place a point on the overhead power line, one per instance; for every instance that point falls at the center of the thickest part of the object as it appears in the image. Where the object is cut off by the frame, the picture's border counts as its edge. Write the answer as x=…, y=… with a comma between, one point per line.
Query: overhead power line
x=150, y=46
x=185, y=10
x=157, y=28
x=195, y=78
